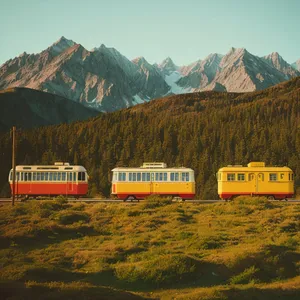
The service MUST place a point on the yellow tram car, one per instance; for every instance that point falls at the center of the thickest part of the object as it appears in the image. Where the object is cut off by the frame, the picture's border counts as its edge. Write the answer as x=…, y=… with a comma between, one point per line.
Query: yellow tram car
x=153, y=178
x=255, y=179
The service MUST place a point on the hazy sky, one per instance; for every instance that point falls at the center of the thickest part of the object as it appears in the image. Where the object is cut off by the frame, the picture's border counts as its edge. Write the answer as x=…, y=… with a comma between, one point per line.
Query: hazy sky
x=185, y=30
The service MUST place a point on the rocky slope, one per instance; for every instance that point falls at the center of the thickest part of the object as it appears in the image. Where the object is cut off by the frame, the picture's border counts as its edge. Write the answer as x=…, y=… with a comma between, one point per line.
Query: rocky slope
x=276, y=61
x=102, y=78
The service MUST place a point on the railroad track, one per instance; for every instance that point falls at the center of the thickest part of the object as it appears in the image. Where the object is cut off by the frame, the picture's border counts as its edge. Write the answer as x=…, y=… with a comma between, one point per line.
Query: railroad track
x=86, y=200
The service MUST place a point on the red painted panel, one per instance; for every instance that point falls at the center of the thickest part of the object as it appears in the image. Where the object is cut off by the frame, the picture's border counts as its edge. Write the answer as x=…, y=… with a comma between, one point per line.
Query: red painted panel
x=50, y=188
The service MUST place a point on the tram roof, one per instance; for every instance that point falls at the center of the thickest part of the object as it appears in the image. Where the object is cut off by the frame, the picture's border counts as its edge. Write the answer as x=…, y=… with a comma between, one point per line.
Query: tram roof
x=48, y=168
x=254, y=169
x=138, y=169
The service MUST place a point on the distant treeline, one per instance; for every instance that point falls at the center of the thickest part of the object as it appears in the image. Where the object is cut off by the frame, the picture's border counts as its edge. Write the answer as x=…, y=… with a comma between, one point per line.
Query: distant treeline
x=204, y=131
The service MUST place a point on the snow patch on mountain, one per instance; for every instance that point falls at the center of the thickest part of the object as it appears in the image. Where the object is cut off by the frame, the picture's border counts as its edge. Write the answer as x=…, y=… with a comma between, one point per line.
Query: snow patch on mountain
x=171, y=81
x=138, y=100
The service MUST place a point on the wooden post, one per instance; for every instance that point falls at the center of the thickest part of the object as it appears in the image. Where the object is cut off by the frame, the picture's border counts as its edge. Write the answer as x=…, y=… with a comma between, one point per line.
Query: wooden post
x=13, y=165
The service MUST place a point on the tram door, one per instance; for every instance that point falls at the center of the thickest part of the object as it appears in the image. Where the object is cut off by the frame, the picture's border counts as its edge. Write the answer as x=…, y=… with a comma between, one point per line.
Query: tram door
x=152, y=183
x=259, y=185
x=70, y=182
x=252, y=183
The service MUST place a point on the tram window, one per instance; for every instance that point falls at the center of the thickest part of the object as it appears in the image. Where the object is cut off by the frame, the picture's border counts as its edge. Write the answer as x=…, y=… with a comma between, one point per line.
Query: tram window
x=145, y=176
x=17, y=176
x=42, y=176
x=174, y=176
x=273, y=177
x=34, y=176
x=81, y=176
x=231, y=177
x=138, y=176
x=50, y=176
x=185, y=176
x=69, y=176
x=115, y=176
x=29, y=176
x=54, y=178
x=59, y=176
x=130, y=176
x=63, y=176
x=46, y=176
x=122, y=176
x=133, y=176
x=161, y=176
x=241, y=177
x=38, y=176
x=74, y=176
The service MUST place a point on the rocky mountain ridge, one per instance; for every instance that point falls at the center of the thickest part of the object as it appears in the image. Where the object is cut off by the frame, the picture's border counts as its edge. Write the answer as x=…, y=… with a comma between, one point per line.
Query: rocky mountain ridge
x=106, y=80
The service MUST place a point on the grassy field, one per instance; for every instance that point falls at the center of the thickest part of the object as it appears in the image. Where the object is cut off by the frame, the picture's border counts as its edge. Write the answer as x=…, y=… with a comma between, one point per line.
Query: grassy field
x=246, y=249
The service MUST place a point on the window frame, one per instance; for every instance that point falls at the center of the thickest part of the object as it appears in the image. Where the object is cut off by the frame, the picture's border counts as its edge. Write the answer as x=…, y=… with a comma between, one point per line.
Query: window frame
x=243, y=176
x=272, y=176
x=231, y=177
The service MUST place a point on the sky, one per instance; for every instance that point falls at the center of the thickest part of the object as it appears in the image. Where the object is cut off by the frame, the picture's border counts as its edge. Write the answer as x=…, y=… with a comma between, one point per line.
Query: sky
x=185, y=30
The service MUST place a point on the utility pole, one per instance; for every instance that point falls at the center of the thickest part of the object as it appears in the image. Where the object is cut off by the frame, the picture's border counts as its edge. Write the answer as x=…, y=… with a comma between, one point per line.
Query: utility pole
x=13, y=165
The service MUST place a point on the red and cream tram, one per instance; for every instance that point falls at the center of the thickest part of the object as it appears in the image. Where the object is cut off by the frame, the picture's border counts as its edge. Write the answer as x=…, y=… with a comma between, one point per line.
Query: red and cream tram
x=52, y=180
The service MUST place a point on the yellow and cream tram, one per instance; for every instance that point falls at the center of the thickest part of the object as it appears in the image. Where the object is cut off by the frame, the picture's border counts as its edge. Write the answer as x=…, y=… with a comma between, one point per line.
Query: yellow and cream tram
x=255, y=179
x=153, y=178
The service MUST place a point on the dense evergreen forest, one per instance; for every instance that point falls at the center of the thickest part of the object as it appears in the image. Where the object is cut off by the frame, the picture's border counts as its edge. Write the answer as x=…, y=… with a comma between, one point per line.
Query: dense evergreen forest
x=204, y=131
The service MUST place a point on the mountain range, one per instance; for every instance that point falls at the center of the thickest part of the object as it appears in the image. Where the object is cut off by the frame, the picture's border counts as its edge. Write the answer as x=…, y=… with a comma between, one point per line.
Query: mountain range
x=106, y=80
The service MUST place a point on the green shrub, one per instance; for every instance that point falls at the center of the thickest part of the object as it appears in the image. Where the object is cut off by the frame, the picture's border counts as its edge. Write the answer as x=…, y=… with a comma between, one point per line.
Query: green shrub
x=53, y=205
x=61, y=199
x=289, y=226
x=251, y=200
x=208, y=242
x=19, y=210
x=154, y=201
x=161, y=270
x=70, y=217
x=248, y=275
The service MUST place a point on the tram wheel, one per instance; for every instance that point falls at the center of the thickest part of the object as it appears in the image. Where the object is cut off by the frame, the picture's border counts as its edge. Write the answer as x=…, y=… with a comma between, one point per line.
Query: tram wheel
x=271, y=197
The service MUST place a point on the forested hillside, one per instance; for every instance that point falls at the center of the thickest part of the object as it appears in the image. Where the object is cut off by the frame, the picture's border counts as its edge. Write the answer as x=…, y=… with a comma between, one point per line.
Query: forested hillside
x=204, y=131
x=28, y=108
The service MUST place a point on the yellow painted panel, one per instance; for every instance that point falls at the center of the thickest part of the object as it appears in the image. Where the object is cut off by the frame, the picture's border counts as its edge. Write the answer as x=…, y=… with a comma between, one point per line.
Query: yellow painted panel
x=154, y=187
